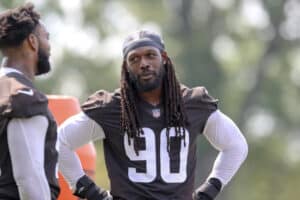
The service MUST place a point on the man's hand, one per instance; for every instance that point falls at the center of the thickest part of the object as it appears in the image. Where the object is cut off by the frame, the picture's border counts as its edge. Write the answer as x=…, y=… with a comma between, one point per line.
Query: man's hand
x=209, y=190
x=87, y=189
x=200, y=196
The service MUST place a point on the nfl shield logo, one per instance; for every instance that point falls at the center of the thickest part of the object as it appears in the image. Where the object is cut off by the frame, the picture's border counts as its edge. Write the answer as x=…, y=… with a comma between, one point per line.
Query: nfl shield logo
x=156, y=113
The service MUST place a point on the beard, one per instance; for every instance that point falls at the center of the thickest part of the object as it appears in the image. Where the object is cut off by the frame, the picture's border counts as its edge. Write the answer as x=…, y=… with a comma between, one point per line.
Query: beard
x=43, y=64
x=146, y=86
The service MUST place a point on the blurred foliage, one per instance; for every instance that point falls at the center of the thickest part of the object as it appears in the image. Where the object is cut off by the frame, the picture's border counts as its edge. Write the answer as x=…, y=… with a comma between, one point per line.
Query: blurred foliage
x=245, y=52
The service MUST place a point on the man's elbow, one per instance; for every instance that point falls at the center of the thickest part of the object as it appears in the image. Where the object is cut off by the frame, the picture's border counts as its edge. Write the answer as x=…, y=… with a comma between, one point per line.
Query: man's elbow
x=62, y=140
x=242, y=148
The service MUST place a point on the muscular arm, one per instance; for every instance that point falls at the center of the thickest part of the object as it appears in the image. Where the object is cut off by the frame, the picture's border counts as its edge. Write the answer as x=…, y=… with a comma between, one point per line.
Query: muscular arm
x=26, y=143
x=73, y=133
x=226, y=137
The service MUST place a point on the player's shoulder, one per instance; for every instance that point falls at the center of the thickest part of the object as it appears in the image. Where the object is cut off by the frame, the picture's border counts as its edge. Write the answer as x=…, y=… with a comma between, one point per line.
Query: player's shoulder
x=20, y=100
x=198, y=97
x=198, y=93
x=101, y=99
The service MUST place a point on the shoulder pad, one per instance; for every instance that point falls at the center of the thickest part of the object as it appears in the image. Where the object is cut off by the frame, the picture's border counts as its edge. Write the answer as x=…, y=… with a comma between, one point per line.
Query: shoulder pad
x=103, y=107
x=199, y=95
x=18, y=100
x=100, y=99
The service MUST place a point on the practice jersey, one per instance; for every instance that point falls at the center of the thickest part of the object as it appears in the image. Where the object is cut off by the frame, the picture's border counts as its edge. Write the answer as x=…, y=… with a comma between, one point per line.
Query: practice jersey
x=154, y=172
x=20, y=99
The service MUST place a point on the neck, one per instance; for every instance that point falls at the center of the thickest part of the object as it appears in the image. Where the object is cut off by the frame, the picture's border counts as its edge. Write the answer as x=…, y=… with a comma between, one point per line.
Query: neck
x=152, y=97
x=20, y=65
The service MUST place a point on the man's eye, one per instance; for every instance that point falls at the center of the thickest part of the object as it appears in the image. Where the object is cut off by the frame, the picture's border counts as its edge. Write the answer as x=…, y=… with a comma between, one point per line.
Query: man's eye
x=151, y=55
x=133, y=59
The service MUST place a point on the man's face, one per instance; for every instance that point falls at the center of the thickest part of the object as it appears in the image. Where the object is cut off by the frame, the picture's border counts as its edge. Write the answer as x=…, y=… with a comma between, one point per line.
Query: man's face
x=43, y=63
x=145, y=66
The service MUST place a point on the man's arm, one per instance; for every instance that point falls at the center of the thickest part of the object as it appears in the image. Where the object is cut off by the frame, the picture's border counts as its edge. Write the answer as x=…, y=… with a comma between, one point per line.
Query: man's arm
x=26, y=143
x=73, y=133
x=226, y=137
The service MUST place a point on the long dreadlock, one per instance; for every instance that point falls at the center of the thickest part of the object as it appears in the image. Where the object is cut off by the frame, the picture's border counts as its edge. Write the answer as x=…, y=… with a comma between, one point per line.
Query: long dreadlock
x=173, y=106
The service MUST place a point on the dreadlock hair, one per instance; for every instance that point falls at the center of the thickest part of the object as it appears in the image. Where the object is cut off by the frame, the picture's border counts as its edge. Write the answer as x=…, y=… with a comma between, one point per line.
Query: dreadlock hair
x=173, y=105
x=16, y=24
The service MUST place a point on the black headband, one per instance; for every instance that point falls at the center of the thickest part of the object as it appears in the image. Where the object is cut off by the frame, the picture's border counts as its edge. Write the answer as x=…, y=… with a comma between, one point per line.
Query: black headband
x=141, y=39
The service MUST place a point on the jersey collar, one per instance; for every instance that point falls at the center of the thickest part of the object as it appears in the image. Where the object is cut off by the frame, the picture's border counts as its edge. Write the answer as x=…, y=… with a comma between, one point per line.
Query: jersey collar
x=6, y=70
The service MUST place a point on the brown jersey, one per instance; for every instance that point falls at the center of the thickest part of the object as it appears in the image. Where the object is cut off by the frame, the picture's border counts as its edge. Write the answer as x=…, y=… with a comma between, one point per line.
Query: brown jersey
x=20, y=99
x=153, y=173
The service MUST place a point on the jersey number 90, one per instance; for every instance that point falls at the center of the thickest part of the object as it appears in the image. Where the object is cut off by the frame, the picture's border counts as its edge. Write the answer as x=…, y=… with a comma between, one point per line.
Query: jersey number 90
x=149, y=156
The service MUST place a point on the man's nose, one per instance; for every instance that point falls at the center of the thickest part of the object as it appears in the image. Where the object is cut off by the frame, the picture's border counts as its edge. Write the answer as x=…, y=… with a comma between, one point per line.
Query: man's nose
x=144, y=64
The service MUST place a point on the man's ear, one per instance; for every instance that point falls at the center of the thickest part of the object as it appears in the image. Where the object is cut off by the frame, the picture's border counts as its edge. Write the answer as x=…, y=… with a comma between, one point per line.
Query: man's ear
x=33, y=42
x=125, y=66
x=164, y=56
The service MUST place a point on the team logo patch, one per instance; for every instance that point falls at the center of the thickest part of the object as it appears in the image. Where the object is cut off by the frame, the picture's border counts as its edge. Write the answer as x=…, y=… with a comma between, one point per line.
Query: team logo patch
x=28, y=92
x=156, y=112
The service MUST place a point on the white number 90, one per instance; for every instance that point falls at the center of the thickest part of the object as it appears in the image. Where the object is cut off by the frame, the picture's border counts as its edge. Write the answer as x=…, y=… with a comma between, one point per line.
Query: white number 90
x=149, y=156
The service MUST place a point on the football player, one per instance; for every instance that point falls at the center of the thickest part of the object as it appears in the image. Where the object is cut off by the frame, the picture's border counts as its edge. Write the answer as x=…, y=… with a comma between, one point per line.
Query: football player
x=149, y=128
x=28, y=132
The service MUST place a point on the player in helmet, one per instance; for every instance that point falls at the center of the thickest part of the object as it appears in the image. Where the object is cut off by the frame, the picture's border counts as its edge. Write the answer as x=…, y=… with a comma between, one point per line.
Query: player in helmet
x=149, y=128
x=28, y=132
